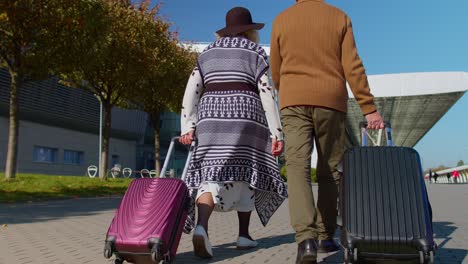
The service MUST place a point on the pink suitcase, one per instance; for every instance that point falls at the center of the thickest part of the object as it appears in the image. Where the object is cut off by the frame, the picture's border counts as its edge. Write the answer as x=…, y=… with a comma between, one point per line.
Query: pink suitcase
x=148, y=223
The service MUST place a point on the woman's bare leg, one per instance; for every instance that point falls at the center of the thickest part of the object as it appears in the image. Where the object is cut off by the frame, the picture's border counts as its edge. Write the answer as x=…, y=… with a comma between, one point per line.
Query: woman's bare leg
x=205, y=207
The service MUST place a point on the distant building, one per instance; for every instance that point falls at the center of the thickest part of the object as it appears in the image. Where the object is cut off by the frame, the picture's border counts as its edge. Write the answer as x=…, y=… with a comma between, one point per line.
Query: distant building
x=59, y=131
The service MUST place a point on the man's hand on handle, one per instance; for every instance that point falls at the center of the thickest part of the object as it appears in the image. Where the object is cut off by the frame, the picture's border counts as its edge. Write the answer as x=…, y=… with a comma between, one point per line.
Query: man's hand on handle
x=276, y=147
x=187, y=138
x=375, y=121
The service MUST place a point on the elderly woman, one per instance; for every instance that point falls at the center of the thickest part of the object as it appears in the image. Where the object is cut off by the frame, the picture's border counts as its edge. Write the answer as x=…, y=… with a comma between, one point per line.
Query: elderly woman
x=229, y=107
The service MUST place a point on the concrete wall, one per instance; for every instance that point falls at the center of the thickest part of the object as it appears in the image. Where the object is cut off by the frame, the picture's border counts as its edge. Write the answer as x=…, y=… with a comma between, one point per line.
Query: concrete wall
x=34, y=134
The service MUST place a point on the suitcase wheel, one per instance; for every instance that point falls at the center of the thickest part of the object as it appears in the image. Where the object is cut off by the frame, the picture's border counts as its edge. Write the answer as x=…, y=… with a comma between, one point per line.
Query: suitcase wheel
x=155, y=256
x=355, y=255
x=346, y=256
x=426, y=258
x=108, y=250
x=107, y=253
x=156, y=253
x=118, y=261
x=351, y=256
x=431, y=257
x=421, y=257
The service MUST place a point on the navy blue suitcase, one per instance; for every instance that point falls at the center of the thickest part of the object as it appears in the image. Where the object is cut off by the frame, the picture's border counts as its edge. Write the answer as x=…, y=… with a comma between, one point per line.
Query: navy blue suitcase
x=384, y=207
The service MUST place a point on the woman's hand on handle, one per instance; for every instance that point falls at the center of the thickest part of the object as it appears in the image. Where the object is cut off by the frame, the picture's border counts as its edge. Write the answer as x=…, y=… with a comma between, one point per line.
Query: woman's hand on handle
x=187, y=138
x=277, y=147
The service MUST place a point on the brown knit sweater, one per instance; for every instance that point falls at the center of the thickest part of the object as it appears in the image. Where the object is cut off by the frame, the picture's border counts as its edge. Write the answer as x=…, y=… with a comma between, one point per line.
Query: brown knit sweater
x=313, y=54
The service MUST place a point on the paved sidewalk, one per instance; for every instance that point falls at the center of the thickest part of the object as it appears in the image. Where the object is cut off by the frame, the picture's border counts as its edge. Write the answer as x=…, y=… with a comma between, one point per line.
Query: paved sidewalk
x=72, y=231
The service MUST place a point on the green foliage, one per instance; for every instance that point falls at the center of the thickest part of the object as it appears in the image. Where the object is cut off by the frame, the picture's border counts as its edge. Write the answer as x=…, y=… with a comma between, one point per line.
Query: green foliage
x=34, y=187
x=460, y=163
x=38, y=35
x=128, y=58
x=109, y=67
x=313, y=174
x=167, y=65
x=35, y=37
x=283, y=173
x=124, y=54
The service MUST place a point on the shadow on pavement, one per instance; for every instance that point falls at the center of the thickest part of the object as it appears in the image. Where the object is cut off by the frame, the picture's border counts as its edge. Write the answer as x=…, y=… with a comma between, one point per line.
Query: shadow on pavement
x=18, y=213
x=229, y=251
x=444, y=254
x=442, y=230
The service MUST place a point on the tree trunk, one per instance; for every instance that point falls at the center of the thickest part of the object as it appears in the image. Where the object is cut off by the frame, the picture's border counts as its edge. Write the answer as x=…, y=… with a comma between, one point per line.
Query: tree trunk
x=105, y=141
x=10, y=167
x=156, y=119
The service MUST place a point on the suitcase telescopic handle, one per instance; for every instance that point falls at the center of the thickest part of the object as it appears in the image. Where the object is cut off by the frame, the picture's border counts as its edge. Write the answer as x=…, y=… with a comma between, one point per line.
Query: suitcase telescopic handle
x=365, y=136
x=168, y=156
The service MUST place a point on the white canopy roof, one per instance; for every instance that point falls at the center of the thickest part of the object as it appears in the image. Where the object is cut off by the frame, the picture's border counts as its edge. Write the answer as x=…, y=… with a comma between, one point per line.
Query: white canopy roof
x=422, y=83
x=412, y=102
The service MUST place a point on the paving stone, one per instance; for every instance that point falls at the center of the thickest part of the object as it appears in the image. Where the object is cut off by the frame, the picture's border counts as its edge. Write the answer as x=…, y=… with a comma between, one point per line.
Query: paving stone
x=73, y=231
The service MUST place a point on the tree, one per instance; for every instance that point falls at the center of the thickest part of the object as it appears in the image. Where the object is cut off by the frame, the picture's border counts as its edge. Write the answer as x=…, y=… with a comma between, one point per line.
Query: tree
x=460, y=163
x=168, y=90
x=35, y=37
x=113, y=66
x=167, y=68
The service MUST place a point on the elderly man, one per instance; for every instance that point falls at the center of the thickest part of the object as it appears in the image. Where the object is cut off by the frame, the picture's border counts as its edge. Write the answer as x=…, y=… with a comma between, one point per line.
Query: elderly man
x=313, y=54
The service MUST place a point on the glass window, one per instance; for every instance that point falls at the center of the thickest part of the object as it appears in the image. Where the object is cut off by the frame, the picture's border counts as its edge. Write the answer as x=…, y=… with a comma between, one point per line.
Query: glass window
x=45, y=154
x=73, y=157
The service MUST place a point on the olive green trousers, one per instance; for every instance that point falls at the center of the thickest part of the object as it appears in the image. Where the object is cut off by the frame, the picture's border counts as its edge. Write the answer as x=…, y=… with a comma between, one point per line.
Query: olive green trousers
x=302, y=125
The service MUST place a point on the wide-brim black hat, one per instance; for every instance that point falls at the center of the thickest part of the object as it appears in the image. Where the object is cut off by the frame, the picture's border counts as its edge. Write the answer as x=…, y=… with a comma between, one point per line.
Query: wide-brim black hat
x=239, y=20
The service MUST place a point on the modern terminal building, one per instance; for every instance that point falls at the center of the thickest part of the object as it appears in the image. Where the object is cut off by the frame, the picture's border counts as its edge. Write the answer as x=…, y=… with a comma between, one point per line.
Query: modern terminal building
x=59, y=126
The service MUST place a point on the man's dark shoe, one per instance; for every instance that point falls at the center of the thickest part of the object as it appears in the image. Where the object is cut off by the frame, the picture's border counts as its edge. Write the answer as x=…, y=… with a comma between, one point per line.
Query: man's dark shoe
x=327, y=246
x=307, y=252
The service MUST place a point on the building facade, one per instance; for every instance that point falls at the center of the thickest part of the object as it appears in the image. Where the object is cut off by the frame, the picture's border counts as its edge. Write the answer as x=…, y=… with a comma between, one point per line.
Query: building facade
x=59, y=131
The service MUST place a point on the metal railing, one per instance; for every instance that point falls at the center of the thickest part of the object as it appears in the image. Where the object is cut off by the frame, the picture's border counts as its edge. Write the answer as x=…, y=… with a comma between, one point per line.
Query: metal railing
x=446, y=176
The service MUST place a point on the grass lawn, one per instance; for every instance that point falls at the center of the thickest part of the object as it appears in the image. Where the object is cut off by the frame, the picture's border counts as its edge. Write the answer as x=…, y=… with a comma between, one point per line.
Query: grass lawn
x=35, y=187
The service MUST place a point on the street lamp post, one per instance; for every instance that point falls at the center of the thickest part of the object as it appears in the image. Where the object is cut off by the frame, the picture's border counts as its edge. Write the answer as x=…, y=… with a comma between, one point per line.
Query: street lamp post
x=100, y=134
